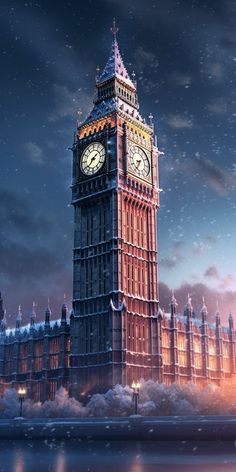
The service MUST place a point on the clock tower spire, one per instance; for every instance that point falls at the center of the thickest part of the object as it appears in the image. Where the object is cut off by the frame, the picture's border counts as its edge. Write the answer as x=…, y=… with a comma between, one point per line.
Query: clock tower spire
x=115, y=196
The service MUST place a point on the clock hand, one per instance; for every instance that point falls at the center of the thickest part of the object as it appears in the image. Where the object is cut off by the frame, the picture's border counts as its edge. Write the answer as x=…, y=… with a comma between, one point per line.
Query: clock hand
x=93, y=158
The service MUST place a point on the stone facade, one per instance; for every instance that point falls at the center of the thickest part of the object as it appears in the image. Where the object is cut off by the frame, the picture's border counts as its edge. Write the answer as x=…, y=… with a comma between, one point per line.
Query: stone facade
x=37, y=356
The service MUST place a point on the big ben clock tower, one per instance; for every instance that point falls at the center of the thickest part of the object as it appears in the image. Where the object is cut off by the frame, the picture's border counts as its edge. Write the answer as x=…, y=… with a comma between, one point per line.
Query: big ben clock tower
x=114, y=326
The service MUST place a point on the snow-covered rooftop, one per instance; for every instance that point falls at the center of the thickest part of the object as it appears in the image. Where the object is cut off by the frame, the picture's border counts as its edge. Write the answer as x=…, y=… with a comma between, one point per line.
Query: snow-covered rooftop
x=115, y=67
x=111, y=105
x=36, y=326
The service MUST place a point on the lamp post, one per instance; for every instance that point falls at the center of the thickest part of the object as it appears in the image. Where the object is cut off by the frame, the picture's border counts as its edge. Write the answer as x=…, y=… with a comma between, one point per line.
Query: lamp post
x=135, y=386
x=21, y=393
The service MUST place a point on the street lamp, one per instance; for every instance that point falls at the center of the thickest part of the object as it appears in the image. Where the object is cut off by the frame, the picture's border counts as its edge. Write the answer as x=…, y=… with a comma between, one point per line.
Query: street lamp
x=21, y=393
x=135, y=386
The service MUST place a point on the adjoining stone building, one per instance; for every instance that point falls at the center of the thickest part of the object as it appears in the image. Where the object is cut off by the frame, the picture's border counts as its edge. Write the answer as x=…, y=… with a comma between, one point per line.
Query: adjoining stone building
x=37, y=356
x=116, y=332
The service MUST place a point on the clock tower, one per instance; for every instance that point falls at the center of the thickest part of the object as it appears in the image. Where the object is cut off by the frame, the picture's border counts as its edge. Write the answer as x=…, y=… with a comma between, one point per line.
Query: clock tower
x=114, y=325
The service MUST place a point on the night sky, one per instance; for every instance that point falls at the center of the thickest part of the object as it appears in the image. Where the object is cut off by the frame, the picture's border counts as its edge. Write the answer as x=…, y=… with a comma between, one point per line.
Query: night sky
x=184, y=56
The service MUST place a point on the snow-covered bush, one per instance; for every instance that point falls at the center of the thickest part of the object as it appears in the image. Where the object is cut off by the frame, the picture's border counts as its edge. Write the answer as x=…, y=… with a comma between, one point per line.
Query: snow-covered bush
x=154, y=399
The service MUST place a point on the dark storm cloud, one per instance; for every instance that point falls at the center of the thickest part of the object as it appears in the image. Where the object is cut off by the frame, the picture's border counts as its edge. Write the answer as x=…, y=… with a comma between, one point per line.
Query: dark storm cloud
x=19, y=262
x=68, y=102
x=169, y=262
x=212, y=272
x=223, y=282
x=219, y=179
x=145, y=59
x=174, y=257
x=35, y=33
x=17, y=212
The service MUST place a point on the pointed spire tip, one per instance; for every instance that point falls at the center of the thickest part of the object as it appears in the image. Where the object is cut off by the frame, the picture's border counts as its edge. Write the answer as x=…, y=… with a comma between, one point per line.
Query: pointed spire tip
x=114, y=29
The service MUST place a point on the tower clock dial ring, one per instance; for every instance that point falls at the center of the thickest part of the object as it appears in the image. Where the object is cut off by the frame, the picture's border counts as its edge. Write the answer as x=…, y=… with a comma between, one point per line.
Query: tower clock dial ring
x=139, y=162
x=92, y=158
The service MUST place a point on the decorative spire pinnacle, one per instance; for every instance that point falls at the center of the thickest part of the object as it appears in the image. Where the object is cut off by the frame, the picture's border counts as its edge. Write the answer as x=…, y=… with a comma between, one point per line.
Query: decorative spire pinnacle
x=3, y=322
x=204, y=307
x=160, y=314
x=19, y=315
x=18, y=318
x=173, y=299
x=47, y=314
x=189, y=302
x=97, y=73
x=173, y=305
x=64, y=310
x=217, y=314
x=231, y=321
x=114, y=30
x=79, y=113
x=151, y=119
x=33, y=315
x=204, y=311
x=33, y=309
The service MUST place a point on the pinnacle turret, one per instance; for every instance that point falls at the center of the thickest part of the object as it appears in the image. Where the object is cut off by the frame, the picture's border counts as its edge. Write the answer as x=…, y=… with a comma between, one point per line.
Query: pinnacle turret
x=160, y=314
x=173, y=305
x=204, y=311
x=33, y=315
x=48, y=314
x=19, y=318
x=217, y=314
x=64, y=311
x=231, y=321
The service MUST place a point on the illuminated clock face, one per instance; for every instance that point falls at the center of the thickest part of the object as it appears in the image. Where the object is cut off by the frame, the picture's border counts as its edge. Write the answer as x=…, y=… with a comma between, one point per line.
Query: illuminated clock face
x=92, y=158
x=139, y=162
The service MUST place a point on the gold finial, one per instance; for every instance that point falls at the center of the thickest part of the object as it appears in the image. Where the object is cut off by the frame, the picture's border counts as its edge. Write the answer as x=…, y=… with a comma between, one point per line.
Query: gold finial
x=114, y=29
